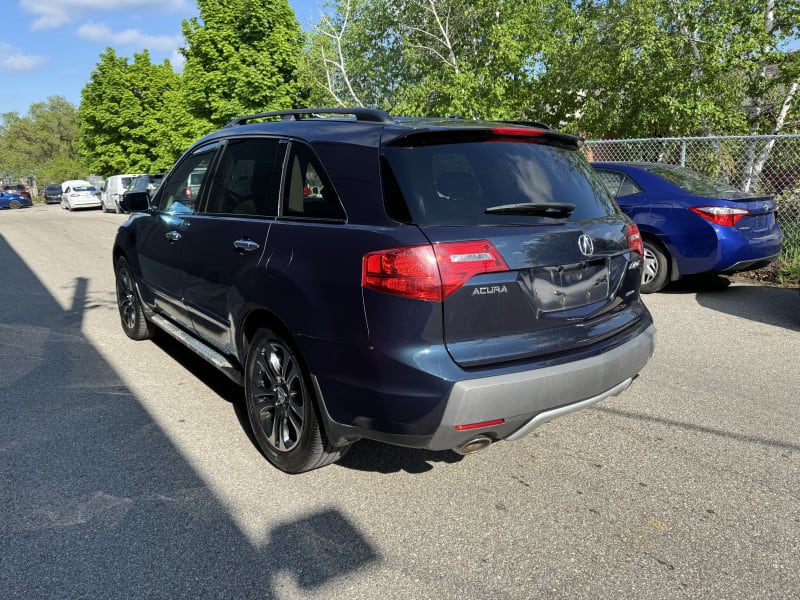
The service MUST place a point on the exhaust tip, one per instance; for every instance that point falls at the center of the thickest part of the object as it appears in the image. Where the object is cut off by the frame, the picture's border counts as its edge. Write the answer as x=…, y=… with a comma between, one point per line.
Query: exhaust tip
x=473, y=445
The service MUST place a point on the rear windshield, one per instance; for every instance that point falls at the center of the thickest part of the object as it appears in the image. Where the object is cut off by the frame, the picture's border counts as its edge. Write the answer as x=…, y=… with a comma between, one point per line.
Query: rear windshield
x=695, y=183
x=84, y=188
x=454, y=183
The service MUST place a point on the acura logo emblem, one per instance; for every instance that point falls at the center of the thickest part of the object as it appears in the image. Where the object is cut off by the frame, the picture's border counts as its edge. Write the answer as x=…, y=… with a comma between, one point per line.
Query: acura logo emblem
x=586, y=245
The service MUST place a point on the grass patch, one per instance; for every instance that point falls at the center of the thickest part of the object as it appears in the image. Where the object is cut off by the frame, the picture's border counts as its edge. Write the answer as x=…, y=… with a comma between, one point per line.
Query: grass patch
x=789, y=261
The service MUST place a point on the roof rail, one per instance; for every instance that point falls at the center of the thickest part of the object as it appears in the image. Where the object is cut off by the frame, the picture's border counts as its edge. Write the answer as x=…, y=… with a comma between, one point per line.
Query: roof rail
x=369, y=115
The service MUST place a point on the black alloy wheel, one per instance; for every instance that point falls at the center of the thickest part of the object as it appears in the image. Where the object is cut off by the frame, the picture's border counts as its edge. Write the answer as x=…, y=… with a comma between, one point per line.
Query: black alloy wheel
x=281, y=406
x=131, y=313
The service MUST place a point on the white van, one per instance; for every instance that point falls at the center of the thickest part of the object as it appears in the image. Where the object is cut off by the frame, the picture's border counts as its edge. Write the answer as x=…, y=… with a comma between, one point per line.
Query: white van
x=112, y=191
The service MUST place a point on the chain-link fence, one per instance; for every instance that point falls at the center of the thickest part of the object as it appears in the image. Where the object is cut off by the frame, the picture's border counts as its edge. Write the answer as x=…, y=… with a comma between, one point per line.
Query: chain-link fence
x=765, y=164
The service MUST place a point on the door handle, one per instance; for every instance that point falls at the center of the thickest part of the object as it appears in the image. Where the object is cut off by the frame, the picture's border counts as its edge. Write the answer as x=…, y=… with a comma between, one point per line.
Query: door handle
x=173, y=236
x=246, y=245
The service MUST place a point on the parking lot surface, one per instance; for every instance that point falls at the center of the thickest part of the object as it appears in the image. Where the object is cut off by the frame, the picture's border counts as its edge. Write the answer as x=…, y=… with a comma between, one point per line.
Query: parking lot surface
x=127, y=471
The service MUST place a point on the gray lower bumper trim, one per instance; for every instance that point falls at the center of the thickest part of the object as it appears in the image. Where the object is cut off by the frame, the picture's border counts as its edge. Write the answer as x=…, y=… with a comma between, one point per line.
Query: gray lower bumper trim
x=549, y=415
x=526, y=399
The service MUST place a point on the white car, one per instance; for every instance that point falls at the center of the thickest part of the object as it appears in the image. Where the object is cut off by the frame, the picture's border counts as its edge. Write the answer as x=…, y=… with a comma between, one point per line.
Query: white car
x=78, y=193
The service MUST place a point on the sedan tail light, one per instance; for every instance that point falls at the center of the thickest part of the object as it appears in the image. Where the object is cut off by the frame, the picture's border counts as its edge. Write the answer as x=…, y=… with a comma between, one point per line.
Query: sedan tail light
x=721, y=215
x=429, y=272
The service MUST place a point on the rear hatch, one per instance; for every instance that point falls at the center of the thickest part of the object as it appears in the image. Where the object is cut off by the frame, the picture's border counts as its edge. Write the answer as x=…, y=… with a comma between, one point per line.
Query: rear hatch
x=535, y=257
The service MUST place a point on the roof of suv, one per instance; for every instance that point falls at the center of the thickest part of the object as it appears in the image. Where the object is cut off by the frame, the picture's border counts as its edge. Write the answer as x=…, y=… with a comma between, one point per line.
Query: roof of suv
x=372, y=127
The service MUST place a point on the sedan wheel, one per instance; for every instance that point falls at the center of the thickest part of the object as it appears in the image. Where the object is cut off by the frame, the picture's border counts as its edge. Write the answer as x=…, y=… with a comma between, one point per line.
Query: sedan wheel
x=281, y=407
x=654, y=268
x=14, y=204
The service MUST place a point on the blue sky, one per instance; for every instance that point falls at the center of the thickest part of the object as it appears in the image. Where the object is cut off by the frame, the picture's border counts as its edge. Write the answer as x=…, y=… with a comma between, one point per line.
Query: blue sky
x=50, y=47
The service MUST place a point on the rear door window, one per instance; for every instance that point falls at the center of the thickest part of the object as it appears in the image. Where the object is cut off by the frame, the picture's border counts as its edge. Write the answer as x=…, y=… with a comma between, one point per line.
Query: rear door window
x=618, y=183
x=454, y=183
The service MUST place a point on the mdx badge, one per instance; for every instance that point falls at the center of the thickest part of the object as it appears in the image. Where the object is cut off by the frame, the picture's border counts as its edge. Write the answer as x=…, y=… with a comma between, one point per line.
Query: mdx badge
x=586, y=245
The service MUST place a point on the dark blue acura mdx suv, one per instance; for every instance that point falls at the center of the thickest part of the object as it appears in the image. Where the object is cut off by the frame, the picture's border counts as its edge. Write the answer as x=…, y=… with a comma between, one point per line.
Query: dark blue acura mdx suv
x=437, y=284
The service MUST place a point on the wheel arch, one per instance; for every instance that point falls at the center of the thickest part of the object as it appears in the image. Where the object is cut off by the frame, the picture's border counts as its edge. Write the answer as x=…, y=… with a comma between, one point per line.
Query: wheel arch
x=263, y=318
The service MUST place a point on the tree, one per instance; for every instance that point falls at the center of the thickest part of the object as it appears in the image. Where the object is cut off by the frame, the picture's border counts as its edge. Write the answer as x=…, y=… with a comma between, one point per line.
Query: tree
x=772, y=74
x=650, y=68
x=131, y=116
x=41, y=144
x=241, y=58
x=431, y=57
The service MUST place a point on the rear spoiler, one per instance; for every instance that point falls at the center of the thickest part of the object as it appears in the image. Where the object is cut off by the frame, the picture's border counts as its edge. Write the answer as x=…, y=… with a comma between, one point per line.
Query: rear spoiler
x=498, y=130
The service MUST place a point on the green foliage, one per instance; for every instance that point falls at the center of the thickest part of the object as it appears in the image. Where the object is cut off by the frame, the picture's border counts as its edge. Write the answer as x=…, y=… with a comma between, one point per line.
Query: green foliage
x=447, y=57
x=602, y=68
x=241, y=58
x=42, y=143
x=132, y=117
x=789, y=261
x=617, y=68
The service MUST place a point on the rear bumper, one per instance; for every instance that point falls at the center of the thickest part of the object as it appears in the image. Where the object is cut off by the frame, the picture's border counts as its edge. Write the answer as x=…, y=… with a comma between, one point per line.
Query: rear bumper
x=84, y=203
x=526, y=400
x=522, y=400
x=749, y=265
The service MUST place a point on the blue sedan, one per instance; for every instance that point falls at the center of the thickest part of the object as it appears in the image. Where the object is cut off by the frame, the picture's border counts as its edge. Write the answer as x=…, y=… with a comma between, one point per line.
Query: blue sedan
x=11, y=200
x=690, y=223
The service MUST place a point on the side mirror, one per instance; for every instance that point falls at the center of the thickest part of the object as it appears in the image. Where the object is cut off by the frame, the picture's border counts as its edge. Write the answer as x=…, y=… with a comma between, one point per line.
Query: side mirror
x=135, y=202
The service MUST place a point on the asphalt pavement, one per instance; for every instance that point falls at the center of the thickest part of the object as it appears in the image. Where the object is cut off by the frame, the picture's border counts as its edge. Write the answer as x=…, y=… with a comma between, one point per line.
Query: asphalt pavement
x=127, y=470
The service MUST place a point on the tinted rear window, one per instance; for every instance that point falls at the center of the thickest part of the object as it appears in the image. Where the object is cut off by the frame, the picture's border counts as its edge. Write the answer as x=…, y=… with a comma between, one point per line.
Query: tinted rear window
x=695, y=183
x=454, y=183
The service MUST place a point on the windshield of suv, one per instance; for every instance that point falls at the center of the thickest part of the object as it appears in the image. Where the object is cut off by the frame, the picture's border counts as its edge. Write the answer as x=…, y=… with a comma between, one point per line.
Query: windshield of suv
x=483, y=183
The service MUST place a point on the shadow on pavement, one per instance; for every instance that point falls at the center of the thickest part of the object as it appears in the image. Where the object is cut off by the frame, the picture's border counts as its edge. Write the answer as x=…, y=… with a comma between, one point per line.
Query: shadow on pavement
x=364, y=455
x=764, y=304
x=96, y=502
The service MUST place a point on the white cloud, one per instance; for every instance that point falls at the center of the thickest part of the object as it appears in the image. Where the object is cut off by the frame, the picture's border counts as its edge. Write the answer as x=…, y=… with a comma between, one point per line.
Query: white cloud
x=177, y=60
x=133, y=38
x=55, y=13
x=13, y=60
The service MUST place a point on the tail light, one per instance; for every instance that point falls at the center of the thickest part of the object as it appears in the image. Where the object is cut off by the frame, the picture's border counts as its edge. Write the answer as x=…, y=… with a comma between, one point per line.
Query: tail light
x=429, y=272
x=635, y=243
x=721, y=215
x=188, y=192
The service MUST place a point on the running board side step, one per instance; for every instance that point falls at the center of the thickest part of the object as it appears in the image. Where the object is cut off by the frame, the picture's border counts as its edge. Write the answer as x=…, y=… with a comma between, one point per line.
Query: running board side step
x=203, y=350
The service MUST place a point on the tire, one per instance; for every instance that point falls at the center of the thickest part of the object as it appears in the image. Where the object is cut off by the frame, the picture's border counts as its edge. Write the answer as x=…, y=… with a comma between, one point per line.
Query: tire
x=281, y=407
x=14, y=204
x=131, y=313
x=655, y=268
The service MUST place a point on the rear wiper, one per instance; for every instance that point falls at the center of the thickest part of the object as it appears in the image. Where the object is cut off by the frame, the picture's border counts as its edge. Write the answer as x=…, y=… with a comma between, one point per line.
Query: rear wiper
x=544, y=209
